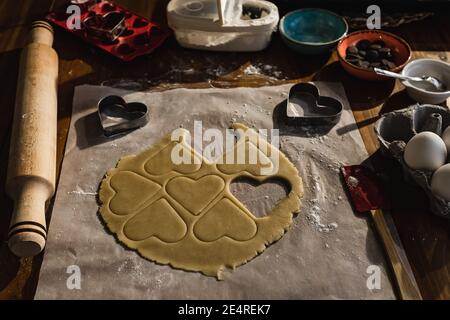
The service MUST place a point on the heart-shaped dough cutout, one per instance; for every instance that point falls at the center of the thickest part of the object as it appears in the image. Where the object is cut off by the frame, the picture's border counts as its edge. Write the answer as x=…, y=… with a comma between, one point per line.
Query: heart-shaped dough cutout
x=261, y=160
x=161, y=163
x=221, y=233
x=195, y=195
x=132, y=190
x=158, y=220
x=225, y=219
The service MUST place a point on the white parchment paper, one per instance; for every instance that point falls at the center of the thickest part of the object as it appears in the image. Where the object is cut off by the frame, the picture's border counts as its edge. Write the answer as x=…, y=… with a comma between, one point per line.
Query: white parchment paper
x=324, y=255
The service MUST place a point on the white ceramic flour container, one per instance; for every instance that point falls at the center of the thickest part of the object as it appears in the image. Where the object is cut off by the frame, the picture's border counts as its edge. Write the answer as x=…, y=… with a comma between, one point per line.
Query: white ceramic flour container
x=223, y=25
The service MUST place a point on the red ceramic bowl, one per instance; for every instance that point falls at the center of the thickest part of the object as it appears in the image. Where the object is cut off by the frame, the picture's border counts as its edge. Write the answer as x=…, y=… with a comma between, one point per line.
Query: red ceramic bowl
x=400, y=48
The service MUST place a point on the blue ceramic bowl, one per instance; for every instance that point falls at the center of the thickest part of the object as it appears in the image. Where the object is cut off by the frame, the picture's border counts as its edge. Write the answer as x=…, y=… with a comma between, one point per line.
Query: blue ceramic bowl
x=312, y=31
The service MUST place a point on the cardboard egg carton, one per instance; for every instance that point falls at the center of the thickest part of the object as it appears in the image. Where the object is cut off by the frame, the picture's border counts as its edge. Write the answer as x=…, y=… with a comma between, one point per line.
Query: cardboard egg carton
x=396, y=128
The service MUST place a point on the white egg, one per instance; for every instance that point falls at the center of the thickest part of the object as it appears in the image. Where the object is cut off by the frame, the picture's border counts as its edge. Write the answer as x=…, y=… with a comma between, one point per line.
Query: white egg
x=425, y=151
x=440, y=183
x=446, y=138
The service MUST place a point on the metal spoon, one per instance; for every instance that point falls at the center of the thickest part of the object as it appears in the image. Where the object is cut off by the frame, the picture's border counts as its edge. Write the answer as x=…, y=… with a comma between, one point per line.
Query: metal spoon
x=436, y=83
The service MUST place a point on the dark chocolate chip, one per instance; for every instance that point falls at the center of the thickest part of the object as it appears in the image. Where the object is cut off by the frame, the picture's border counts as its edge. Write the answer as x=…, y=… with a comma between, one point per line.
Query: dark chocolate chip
x=351, y=50
x=375, y=47
x=385, y=53
x=363, y=44
x=353, y=61
x=353, y=56
x=386, y=64
x=389, y=56
x=372, y=55
x=364, y=64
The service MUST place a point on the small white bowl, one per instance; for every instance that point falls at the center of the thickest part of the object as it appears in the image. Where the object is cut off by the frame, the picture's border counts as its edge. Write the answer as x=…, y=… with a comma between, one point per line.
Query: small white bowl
x=428, y=67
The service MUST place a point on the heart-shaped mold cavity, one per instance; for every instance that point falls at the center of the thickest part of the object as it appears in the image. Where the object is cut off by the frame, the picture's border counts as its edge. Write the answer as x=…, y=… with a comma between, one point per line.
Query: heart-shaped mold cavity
x=125, y=49
x=127, y=33
x=140, y=23
x=141, y=40
x=305, y=107
x=106, y=27
x=259, y=198
x=117, y=116
x=93, y=20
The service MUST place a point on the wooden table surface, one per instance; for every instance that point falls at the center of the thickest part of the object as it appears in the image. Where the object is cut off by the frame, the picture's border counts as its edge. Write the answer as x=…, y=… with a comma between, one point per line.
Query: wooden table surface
x=426, y=238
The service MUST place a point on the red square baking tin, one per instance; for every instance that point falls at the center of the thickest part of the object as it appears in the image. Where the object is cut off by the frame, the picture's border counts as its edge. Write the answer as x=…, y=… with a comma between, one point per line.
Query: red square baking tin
x=112, y=28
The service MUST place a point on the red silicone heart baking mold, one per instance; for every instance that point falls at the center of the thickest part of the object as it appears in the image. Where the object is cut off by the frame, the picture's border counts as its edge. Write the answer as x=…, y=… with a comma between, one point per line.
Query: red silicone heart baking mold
x=135, y=36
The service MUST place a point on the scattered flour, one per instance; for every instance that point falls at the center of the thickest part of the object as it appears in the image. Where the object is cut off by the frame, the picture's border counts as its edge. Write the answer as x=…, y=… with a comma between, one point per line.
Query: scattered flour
x=314, y=219
x=79, y=191
x=265, y=69
x=251, y=70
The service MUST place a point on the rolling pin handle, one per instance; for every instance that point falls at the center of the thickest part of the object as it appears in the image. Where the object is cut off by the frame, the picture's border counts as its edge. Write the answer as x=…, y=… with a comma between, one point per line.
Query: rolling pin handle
x=41, y=32
x=27, y=236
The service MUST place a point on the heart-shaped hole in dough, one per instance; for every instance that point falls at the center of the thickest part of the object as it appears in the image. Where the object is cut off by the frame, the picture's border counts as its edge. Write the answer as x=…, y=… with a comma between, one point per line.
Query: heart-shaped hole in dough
x=260, y=198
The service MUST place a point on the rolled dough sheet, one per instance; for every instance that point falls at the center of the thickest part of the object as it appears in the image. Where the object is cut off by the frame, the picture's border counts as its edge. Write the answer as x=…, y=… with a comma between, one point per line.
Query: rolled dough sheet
x=185, y=215
x=325, y=254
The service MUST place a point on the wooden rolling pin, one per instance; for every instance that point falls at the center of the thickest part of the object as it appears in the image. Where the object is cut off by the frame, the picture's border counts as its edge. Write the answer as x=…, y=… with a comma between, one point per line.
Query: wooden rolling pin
x=32, y=158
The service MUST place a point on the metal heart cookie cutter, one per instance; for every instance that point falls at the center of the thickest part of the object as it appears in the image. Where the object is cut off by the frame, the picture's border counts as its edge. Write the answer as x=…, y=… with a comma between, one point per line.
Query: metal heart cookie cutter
x=108, y=26
x=118, y=117
x=306, y=107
